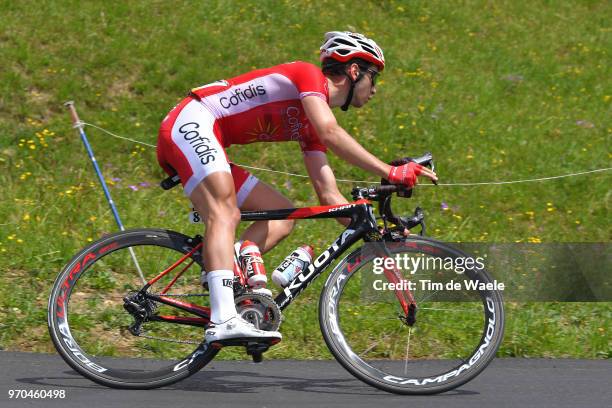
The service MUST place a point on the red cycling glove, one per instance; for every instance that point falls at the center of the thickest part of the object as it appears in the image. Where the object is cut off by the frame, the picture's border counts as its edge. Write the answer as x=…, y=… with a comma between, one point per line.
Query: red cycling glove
x=406, y=174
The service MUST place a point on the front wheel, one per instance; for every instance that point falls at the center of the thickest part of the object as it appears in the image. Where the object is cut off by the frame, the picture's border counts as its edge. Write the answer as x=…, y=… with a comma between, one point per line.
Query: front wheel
x=418, y=324
x=135, y=344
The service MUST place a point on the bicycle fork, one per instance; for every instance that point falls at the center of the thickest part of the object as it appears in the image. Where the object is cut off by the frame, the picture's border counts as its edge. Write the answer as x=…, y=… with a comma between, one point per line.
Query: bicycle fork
x=403, y=295
x=401, y=290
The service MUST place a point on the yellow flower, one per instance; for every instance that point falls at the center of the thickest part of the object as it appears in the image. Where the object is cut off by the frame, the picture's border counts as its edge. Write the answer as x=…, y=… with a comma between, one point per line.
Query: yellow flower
x=421, y=108
x=93, y=218
x=26, y=217
x=20, y=241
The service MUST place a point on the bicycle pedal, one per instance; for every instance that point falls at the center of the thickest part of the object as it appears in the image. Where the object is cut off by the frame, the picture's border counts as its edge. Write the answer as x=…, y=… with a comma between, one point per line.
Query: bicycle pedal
x=257, y=357
x=257, y=348
x=246, y=342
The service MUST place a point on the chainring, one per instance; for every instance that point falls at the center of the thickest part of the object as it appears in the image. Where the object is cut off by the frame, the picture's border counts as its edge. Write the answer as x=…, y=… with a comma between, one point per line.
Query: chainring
x=261, y=310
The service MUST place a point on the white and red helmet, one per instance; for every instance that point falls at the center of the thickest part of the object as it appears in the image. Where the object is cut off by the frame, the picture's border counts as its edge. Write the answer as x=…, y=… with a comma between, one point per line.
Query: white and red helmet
x=344, y=46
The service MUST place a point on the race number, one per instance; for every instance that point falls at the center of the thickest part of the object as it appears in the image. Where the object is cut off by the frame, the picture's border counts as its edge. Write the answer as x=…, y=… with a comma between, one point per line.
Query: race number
x=194, y=217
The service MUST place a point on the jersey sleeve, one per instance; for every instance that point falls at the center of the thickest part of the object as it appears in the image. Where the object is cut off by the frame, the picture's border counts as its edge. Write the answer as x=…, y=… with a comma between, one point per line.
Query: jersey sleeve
x=308, y=79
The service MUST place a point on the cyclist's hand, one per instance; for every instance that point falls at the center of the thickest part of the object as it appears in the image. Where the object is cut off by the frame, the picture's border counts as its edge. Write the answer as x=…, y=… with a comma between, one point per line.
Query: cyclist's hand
x=406, y=174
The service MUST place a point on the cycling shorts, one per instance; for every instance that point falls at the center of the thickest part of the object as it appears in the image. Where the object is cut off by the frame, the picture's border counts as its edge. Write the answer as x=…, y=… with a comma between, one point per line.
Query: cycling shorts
x=189, y=144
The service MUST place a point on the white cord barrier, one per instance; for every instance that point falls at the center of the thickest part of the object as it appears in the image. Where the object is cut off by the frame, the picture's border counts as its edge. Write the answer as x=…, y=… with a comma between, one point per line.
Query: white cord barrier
x=488, y=183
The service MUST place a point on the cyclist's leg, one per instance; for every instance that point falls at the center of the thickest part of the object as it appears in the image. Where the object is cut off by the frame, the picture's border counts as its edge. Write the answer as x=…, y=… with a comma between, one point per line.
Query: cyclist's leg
x=214, y=198
x=189, y=144
x=254, y=194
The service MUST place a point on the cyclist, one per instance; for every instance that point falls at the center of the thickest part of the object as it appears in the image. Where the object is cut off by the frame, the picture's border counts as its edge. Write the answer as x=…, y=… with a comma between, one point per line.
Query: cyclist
x=286, y=102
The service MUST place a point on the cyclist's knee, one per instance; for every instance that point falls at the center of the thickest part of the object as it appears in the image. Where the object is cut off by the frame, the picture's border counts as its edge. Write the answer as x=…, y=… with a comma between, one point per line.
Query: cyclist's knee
x=283, y=228
x=223, y=213
x=215, y=199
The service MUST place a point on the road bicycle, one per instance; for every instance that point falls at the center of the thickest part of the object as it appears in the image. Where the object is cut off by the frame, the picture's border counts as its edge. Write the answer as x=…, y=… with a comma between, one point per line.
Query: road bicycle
x=123, y=309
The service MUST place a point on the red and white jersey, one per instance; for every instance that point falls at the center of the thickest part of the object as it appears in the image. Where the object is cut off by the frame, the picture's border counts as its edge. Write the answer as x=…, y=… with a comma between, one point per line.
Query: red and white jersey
x=265, y=105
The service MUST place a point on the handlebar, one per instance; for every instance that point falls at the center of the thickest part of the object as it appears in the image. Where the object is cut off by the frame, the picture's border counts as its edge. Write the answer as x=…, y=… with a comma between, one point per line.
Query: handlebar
x=383, y=193
x=385, y=188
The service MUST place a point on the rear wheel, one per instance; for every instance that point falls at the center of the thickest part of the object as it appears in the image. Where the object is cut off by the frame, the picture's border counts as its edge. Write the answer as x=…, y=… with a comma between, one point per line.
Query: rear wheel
x=95, y=334
x=456, y=332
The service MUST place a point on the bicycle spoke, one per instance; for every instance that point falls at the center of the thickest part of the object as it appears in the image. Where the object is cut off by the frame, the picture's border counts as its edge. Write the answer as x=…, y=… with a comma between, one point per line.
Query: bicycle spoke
x=407, y=351
x=450, y=310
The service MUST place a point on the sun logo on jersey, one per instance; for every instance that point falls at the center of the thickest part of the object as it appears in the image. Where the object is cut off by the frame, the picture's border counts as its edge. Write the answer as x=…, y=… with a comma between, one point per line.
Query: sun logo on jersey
x=262, y=132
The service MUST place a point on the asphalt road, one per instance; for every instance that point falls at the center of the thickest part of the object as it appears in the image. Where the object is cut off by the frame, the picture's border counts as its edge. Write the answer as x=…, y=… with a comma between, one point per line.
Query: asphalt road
x=321, y=384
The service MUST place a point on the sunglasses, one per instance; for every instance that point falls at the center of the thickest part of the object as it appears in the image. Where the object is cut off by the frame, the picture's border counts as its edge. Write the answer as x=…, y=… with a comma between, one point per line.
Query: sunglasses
x=373, y=75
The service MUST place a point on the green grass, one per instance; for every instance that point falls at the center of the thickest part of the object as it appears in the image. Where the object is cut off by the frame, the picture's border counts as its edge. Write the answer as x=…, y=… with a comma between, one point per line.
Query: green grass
x=496, y=90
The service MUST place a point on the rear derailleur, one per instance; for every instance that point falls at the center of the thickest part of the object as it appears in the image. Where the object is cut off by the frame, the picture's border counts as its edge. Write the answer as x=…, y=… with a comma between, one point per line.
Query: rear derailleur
x=141, y=310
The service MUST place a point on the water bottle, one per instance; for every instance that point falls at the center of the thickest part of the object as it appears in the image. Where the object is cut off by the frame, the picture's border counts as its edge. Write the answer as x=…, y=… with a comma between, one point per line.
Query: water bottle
x=293, y=265
x=238, y=273
x=252, y=265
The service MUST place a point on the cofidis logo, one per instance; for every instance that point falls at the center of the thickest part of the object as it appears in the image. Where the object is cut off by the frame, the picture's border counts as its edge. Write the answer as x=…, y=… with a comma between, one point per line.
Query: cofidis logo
x=241, y=95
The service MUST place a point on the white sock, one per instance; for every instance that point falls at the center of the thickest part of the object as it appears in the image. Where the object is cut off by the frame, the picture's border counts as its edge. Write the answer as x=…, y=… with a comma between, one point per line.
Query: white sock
x=220, y=286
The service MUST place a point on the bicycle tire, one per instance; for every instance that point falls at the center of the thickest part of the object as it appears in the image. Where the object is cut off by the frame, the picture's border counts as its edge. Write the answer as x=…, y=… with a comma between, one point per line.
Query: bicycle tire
x=93, y=269
x=347, y=330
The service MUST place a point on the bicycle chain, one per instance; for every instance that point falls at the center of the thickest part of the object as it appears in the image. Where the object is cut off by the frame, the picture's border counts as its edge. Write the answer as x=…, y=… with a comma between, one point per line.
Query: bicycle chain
x=267, y=300
x=170, y=340
x=142, y=334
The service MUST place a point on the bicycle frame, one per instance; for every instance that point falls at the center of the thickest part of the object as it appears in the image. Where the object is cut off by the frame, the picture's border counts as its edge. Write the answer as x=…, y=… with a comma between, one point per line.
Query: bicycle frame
x=363, y=223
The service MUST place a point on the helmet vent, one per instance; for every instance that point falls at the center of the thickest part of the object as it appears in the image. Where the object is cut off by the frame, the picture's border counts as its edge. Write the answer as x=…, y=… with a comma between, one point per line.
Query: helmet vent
x=344, y=42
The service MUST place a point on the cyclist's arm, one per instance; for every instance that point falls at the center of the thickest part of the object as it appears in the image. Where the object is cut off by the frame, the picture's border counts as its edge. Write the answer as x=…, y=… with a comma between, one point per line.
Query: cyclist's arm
x=324, y=181
x=338, y=140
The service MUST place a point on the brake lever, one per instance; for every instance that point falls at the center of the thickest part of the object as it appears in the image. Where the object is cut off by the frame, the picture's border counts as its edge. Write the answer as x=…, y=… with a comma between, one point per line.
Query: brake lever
x=417, y=219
